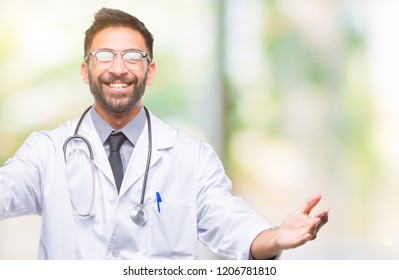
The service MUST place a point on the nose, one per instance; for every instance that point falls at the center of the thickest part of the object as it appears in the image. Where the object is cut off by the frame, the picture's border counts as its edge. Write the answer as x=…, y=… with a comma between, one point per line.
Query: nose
x=118, y=66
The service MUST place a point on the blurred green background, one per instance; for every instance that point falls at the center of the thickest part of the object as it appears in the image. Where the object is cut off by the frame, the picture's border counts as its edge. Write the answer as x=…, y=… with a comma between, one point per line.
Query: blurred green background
x=296, y=97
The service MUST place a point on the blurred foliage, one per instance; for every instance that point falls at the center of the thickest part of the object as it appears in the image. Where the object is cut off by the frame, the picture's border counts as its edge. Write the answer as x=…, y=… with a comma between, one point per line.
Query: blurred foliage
x=296, y=113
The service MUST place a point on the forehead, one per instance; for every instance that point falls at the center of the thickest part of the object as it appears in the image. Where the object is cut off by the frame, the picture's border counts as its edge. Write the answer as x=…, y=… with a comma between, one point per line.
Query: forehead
x=118, y=39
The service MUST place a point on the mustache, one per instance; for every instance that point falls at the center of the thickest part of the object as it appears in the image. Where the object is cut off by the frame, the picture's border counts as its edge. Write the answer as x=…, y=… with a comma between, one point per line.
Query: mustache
x=121, y=79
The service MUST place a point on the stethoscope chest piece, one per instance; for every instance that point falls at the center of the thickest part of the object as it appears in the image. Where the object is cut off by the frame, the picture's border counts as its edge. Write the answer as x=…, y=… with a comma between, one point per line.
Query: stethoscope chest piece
x=139, y=215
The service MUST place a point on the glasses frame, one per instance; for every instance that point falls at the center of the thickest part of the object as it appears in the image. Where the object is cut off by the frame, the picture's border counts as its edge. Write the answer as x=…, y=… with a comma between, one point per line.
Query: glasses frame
x=144, y=55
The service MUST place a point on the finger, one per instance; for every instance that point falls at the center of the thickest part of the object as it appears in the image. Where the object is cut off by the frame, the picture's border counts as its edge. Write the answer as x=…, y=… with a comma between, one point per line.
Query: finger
x=324, y=219
x=307, y=235
x=310, y=203
x=314, y=236
x=322, y=222
x=302, y=240
x=323, y=216
x=311, y=228
x=322, y=213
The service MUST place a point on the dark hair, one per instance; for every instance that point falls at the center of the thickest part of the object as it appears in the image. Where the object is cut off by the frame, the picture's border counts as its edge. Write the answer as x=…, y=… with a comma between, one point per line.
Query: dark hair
x=112, y=18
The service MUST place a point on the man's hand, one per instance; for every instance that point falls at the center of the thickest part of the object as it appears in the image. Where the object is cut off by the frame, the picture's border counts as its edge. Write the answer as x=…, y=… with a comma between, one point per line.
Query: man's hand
x=296, y=229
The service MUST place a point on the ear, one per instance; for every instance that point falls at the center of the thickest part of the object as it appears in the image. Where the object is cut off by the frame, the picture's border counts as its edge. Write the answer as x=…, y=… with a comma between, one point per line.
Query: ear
x=84, y=72
x=150, y=73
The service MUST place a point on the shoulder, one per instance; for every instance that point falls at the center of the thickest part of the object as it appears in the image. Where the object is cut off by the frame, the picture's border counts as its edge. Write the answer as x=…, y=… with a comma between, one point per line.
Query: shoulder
x=44, y=141
x=177, y=137
x=58, y=133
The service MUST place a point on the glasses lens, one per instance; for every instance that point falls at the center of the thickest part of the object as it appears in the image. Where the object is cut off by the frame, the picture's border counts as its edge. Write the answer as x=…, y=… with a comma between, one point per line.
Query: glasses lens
x=104, y=56
x=132, y=57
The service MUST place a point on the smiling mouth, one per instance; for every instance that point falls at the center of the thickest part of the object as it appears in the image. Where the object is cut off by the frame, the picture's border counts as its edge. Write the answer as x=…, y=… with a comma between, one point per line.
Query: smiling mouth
x=118, y=85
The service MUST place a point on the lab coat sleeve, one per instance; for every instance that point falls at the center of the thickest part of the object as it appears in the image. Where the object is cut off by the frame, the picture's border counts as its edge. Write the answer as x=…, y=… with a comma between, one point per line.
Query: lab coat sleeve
x=227, y=225
x=21, y=178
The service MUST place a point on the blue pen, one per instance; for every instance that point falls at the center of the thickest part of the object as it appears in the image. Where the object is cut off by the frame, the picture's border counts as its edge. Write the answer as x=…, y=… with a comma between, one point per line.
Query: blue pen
x=159, y=199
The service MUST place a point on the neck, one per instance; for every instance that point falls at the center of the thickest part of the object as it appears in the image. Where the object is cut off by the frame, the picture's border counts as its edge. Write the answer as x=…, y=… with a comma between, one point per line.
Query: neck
x=117, y=120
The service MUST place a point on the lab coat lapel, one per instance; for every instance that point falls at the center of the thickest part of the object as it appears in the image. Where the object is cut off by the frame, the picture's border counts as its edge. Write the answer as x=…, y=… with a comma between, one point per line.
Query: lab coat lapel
x=161, y=140
x=100, y=157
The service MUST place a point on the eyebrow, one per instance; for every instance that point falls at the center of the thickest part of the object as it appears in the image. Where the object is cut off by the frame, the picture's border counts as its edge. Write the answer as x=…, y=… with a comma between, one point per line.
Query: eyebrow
x=127, y=50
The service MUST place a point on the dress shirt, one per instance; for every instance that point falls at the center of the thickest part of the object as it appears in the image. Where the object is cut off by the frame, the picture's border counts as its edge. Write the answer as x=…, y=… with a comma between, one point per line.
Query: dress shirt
x=132, y=132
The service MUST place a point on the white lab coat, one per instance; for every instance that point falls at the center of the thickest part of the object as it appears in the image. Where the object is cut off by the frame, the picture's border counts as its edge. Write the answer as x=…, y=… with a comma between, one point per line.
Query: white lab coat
x=196, y=199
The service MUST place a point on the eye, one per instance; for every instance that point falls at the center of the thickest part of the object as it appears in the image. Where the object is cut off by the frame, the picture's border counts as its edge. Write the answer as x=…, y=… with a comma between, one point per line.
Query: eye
x=104, y=56
x=132, y=57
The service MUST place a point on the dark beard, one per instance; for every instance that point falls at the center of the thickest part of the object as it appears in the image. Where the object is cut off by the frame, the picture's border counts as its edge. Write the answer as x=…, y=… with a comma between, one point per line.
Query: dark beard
x=134, y=97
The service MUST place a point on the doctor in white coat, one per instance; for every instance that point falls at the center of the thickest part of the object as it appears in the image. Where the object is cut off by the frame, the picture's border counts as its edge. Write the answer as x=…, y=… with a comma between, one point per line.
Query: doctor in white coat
x=174, y=190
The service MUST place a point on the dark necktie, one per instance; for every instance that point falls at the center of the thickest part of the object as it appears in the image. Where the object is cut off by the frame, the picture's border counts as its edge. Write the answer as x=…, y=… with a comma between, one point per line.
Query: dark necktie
x=115, y=143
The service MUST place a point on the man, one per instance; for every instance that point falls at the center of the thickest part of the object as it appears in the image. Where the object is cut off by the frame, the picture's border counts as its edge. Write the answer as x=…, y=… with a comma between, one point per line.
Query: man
x=128, y=186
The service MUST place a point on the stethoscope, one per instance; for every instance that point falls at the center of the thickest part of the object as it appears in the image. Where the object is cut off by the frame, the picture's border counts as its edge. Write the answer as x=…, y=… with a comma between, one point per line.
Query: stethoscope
x=138, y=213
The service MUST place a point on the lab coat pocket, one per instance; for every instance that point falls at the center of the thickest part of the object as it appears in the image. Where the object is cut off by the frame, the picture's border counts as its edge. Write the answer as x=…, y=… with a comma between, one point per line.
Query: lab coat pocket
x=173, y=229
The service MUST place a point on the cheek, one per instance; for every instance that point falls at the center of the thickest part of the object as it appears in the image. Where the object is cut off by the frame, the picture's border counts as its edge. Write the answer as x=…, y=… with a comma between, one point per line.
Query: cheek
x=94, y=76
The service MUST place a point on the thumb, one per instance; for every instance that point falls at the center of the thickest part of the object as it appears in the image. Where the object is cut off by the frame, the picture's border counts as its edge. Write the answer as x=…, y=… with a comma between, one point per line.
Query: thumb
x=310, y=203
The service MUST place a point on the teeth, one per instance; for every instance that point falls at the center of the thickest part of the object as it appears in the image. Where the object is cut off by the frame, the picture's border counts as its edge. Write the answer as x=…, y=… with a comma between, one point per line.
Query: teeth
x=118, y=85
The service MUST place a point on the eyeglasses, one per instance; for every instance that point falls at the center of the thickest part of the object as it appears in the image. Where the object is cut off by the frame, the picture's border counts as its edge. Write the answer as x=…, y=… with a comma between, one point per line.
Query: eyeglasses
x=132, y=58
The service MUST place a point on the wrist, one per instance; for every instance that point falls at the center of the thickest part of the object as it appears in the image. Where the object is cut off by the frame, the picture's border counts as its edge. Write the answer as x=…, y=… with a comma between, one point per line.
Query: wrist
x=265, y=245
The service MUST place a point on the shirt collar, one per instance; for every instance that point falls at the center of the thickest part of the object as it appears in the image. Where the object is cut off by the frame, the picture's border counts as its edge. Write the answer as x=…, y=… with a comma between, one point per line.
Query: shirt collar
x=132, y=130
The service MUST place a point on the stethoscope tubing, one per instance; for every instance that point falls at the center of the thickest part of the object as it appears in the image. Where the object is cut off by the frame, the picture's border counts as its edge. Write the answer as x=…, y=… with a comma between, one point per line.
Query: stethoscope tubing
x=76, y=135
x=147, y=167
